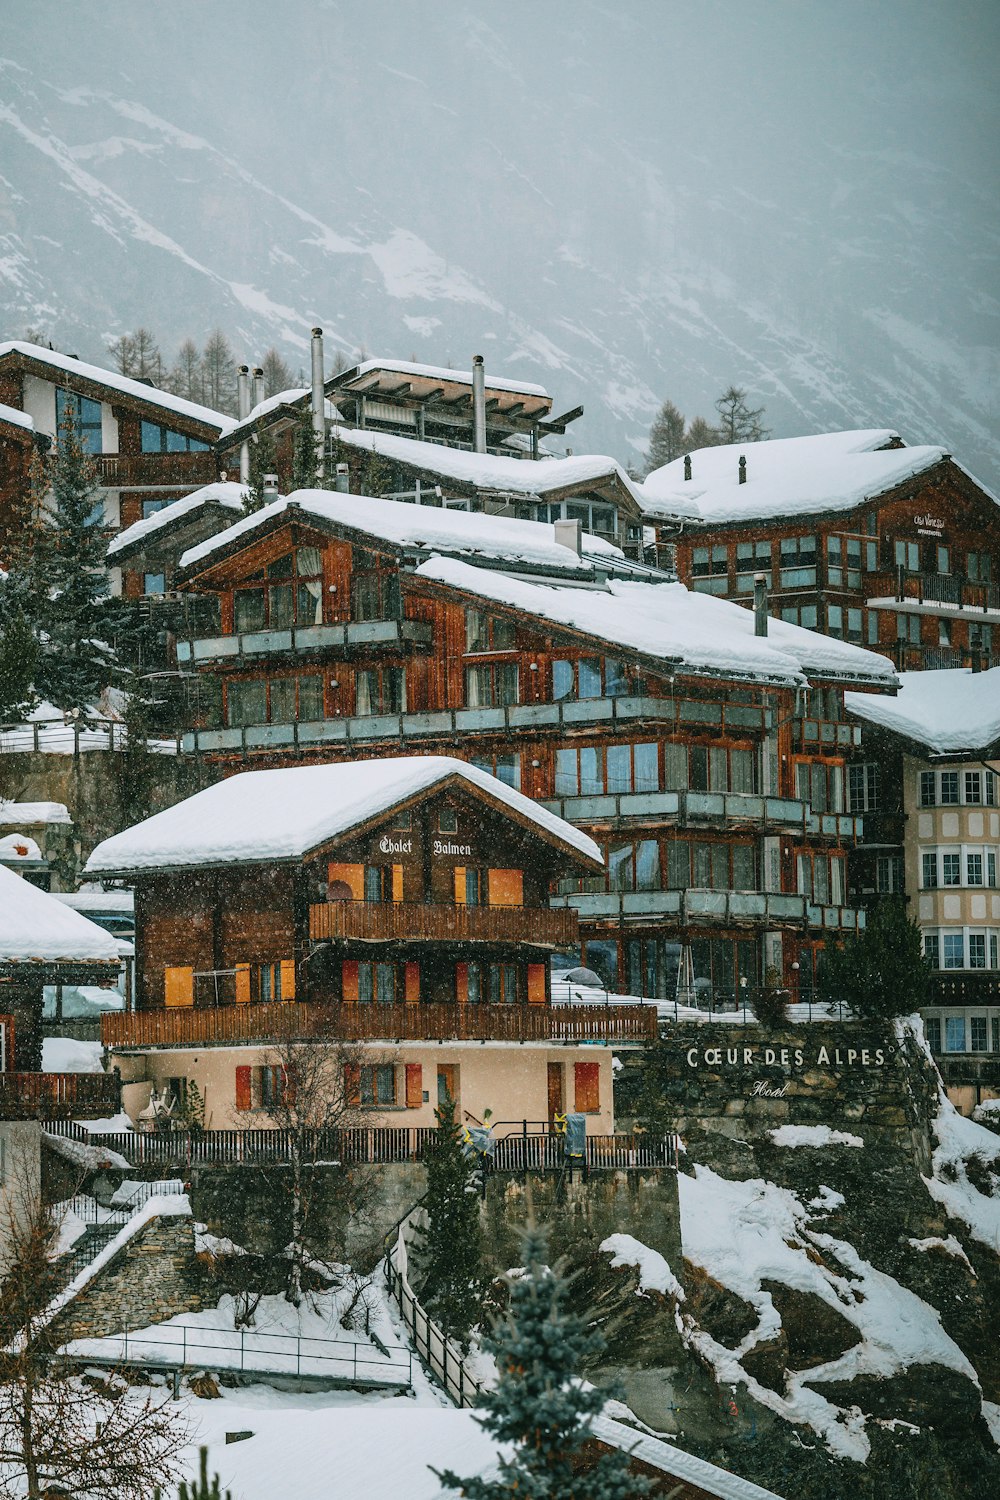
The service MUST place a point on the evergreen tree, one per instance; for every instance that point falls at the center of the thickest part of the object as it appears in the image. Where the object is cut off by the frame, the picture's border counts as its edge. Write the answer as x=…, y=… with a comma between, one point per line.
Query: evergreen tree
x=376, y=475
x=666, y=437
x=304, y=456
x=881, y=972
x=18, y=659
x=218, y=373
x=262, y=462
x=133, y=767
x=539, y=1406
x=277, y=375
x=700, y=434
x=203, y=1490
x=69, y=579
x=738, y=422
x=451, y=1251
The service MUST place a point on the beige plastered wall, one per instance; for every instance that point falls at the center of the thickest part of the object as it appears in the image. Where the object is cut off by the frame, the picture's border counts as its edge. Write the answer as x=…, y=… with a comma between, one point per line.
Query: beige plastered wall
x=949, y=828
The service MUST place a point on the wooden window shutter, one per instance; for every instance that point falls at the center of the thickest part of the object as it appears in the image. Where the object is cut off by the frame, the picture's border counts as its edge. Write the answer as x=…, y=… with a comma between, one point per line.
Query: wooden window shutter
x=243, y=1087
x=352, y=1083
x=414, y=1085
x=242, y=984
x=411, y=990
x=461, y=983
x=178, y=986
x=506, y=888
x=536, y=984
x=459, y=885
x=288, y=979
x=587, y=1087
x=353, y=876
x=397, y=882
x=349, y=981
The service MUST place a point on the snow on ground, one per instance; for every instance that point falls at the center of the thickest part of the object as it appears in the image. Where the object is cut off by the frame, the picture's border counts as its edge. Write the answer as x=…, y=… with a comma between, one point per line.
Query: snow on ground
x=961, y=1141
x=47, y=730
x=83, y=1001
x=64, y=1054
x=744, y=1233
x=655, y=1274
x=16, y=814
x=87, y=1158
x=565, y=992
x=119, y=1124
x=949, y=1246
x=813, y=1135
x=988, y=1109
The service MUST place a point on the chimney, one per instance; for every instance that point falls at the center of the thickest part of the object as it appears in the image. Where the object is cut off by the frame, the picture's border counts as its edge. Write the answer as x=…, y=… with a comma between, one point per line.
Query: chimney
x=342, y=481
x=743, y=470
x=270, y=488
x=760, y=604
x=977, y=659
x=243, y=410
x=478, y=404
x=258, y=385
x=567, y=534
x=687, y=466
x=318, y=404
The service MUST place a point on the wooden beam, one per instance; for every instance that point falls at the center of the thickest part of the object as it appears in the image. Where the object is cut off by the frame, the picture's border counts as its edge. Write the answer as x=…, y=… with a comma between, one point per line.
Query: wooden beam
x=559, y=424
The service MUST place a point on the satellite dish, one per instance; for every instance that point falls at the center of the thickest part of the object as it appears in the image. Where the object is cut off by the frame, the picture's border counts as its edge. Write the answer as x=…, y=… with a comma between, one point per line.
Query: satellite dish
x=583, y=976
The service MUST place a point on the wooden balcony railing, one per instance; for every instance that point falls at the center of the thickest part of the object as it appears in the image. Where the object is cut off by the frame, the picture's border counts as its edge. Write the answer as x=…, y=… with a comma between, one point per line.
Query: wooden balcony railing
x=412, y=922
x=155, y=470
x=230, y=1024
x=59, y=1096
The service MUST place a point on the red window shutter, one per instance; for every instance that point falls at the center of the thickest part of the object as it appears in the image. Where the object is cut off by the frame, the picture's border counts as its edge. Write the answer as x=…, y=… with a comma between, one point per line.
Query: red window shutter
x=412, y=990
x=588, y=1087
x=414, y=1085
x=352, y=1083
x=349, y=981
x=536, y=984
x=243, y=1095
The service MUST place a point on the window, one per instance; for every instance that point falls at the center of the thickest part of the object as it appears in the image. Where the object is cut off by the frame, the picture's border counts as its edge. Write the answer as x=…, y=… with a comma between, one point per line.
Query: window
x=156, y=439
x=951, y=869
x=285, y=700
x=506, y=768
x=591, y=677
x=979, y=567
x=949, y=789
x=154, y=583
x=484, y=632
x=889, y=874
x=944, y=632
x=977, y=950
x=380, y=690
x=710, y=569
x=150, y=507
x=954, y=1034
x=805, y=615
x=927, y=789
x=990, y=788
x=375, y=595
x=290, y=593
x=821, y=878
x=494, y=686
x=932, y=949
x=974, y=869
x=634, y=866
x=587, y=1087
x=821, y=785
x=943, y=560
x=447, y=820
x=378, y=1085
x=835, y=621
x=591, y=770
x=932, y=1031
x=246, y=703
x=376, y=983
x=502, y=984
x=929, y=870
x=952, y=950
x=991, y=868
x=752, y=558
x=973, y=787
x=85, y=415
x=863, y=785
x=276, y=981
x=798, y=561
x=978, y=1033
x=270, y=1082
x=906, y=555
x=908, y=628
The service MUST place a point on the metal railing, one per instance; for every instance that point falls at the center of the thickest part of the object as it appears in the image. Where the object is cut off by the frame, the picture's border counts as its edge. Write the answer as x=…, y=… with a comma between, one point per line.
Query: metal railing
x=442, y=1358
x=66, y=736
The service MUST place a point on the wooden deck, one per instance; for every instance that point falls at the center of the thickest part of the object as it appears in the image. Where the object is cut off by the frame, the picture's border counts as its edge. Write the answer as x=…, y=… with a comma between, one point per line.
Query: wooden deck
x=59, y=1096
x=413, y=922
x=243, y=1024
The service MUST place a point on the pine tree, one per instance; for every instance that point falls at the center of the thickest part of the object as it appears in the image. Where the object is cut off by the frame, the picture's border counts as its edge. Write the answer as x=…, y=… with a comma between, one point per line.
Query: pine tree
x=451, y=1251
x=376, y=474
x=666, y=437
x=262, y=462
x=739, y=423
x=18, y=659
x=304, y=454
x=539, y=1407
x=70, y=580
x=277, y=375
x=134, y=766
x=203, y=1490
x=882, y=972
x=700, y=434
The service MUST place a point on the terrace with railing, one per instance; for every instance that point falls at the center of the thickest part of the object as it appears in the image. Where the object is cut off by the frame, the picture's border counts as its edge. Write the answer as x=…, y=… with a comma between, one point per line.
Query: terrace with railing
x=155, y=470
x=294, y=1020
x=413, y=922
x=59, y=1096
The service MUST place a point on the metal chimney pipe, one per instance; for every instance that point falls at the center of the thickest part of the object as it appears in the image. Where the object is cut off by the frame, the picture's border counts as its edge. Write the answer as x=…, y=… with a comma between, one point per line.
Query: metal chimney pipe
x=760, y=604
x=478, y=404
x=243, y=410
x=258, y=385
x=270, y=487
x=318, y=404
x=342, y=480
x=687, y=466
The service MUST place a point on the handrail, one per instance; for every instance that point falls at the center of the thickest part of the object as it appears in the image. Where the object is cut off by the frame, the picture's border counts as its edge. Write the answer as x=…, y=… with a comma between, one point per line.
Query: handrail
x=50, y=1096
x=440, y=1355
x=414, y=921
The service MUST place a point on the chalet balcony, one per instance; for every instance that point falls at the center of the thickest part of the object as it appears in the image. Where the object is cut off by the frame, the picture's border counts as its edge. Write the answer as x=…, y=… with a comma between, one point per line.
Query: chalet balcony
x=689, y=810
x=231, y=1025
x=306, y=640
x=703, y=908
x=820, y=734
x=413, y=922
x=445, y=724
x=942, y=593
x=966, y=987
x=59, y=1096
x=155, y=471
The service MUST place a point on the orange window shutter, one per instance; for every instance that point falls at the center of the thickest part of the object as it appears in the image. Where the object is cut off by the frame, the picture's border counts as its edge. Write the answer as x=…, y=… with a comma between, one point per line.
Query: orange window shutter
x=243, y=1087
x=412, y=984
x=242, y=984
x=352, y=1083
x=349, y=981
x=397, y=882
x=459, y=885
x=506, y=888
x=461, y=983
x=288, y=979
x=178, y=986
x=588, y=1087
x=414, y=1085
x=351, y=876
x=536, y=984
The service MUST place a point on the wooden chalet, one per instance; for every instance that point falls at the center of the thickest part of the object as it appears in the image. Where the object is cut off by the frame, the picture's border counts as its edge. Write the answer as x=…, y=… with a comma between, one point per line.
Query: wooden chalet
x=857, y=535
x=707, y=761
x=398, y=904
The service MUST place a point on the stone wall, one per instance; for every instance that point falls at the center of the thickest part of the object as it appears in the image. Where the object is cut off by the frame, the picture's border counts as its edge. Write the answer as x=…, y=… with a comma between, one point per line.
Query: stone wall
x=153, y=1277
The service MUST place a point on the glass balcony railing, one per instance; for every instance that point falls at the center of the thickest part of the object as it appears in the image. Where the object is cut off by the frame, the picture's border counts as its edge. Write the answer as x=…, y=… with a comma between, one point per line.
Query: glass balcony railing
x=304, y=640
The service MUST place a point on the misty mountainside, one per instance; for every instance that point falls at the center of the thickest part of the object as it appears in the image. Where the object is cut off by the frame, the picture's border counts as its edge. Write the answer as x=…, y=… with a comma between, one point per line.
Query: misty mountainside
x=626, y=202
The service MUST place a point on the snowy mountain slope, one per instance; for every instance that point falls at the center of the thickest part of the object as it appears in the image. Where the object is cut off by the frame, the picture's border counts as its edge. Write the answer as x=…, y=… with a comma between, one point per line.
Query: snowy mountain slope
x=624, y=204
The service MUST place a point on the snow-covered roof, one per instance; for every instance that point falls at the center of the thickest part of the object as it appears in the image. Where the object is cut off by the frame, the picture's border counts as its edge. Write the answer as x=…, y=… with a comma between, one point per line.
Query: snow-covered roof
x=284, y=814
x=18, y=814
x=35, y=928
x=490, y=471
x=693, y=632
x=663, y=1456
x=957, y=709
x=128, y=387
x=224, y=493
x=92, y=897
x=830, y=471
x=17, y=418
x=274, y=403
x=432, y=528
x=438, y=372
